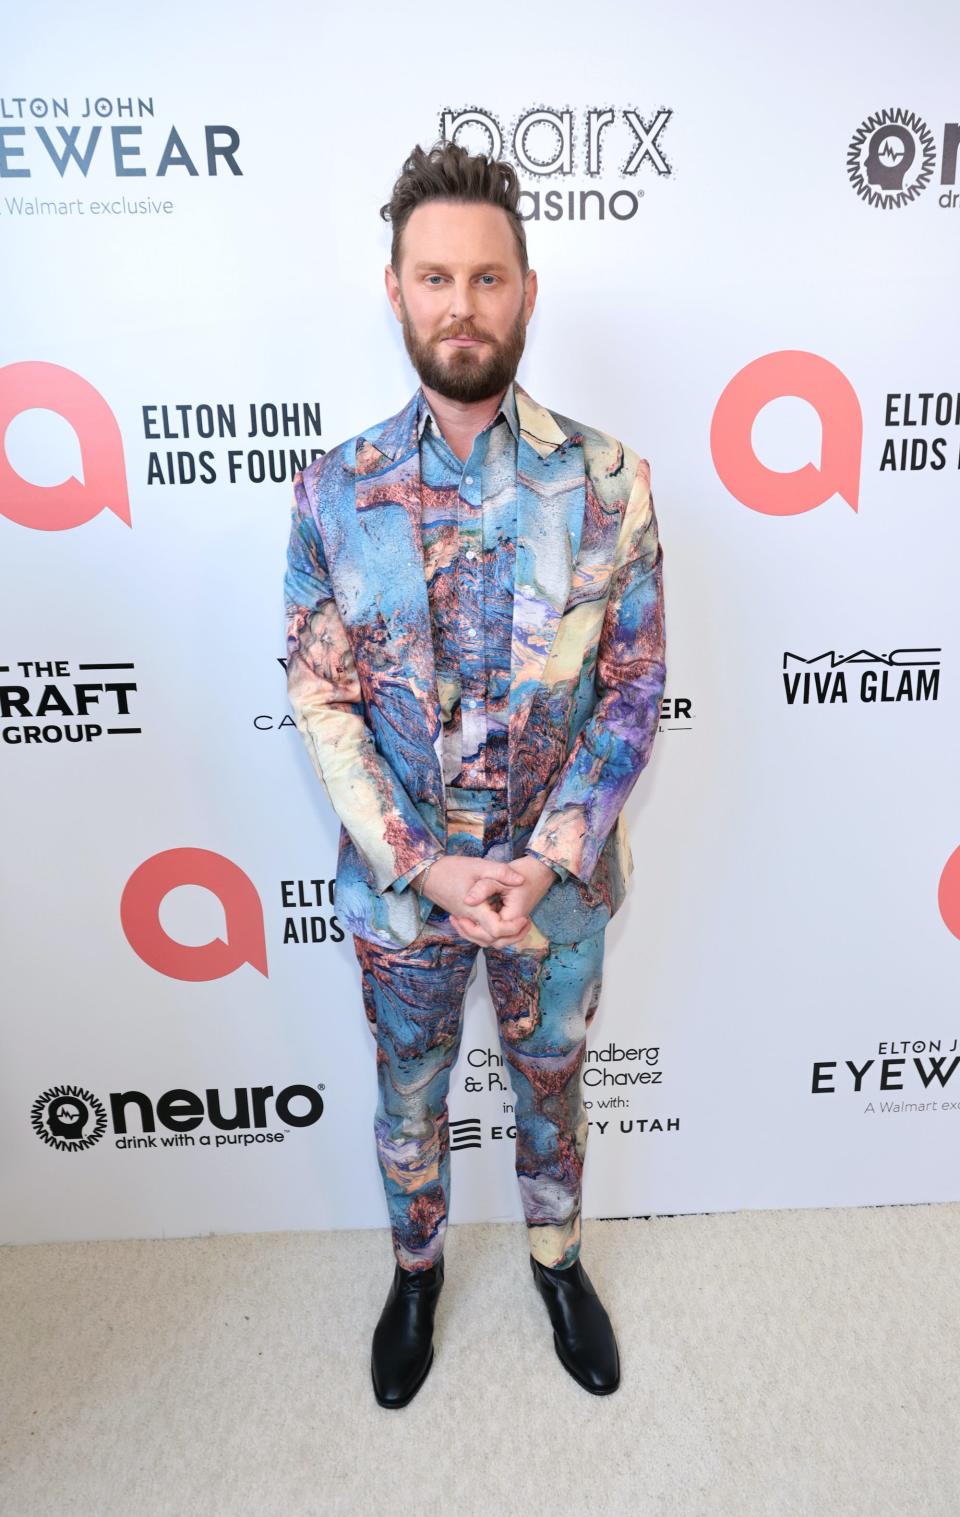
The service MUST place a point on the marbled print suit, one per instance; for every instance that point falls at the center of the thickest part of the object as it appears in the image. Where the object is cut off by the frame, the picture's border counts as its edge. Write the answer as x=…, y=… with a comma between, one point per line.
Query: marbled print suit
x=587, y=674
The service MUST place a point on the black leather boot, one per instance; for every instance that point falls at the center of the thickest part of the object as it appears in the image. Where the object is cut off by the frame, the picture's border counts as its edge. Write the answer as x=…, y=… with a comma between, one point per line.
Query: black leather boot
x=582, y=1334
x=403, y=1337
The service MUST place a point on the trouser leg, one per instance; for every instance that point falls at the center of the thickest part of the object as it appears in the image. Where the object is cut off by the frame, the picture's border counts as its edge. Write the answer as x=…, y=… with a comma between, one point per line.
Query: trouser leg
x=545, y=995
x=413, y=998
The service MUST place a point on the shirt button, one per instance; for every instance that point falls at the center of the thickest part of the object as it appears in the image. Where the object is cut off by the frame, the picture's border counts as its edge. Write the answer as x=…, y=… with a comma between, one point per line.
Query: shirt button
x=468, y=479
x=471, y=631
x=470, y=553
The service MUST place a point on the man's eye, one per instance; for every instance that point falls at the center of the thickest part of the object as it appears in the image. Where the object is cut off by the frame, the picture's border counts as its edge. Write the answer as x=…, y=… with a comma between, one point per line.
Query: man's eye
x=433, y=276
x=491, y=277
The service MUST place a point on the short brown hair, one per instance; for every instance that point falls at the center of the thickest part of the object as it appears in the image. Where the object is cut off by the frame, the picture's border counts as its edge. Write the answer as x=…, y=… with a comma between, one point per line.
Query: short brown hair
x=449, y=172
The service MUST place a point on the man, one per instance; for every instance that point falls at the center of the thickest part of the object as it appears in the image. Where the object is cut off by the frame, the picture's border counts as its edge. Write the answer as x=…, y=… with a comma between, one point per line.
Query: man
x=476, y=660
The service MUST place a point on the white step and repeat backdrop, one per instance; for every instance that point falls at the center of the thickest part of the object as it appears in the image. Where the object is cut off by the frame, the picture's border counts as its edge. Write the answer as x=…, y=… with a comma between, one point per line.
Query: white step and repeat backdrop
x=745, y=234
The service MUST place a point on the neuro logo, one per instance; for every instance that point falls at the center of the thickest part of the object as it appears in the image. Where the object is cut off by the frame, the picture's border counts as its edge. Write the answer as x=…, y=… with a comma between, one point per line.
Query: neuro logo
x=69, y=1118
x=891, y=158
x=103, y=487
x=948, y=893
x=772, y=491
x=145, y=890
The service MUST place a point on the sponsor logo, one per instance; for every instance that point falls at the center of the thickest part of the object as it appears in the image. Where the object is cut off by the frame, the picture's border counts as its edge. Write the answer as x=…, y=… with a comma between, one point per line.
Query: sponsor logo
x=830, y=393
x=308, y=918
x=100, y=483
x=948, y=893
x=82, y=143
x=676, y=713
x=244, y=941
x=904, y=674
x=103, y=485
x=71, y=1118
x=45, y=702
x=891, y=157
x=314, y=921
x=904, y=1076
x=260, y=422
x=554, y=148
x=808, y=376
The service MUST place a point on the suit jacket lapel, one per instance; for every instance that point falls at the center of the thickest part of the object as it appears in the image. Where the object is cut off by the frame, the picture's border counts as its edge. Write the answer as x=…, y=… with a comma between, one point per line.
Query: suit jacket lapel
x=387, y=498
x=550, y=512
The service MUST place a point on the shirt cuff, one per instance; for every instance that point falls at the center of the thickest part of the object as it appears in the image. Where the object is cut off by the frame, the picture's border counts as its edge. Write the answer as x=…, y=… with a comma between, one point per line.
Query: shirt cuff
x=559, y=869
x=403, y=880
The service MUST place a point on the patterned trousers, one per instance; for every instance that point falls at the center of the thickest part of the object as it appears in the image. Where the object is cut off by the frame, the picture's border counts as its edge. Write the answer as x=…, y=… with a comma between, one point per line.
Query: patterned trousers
x=545, y=996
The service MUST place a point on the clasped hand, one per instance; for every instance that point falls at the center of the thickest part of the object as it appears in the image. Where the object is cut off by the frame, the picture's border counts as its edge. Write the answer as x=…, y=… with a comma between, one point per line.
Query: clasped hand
x=489, y=902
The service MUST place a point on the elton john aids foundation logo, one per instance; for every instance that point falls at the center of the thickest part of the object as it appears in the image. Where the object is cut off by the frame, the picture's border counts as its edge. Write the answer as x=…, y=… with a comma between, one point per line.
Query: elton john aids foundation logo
x=103, y=482
x=152, y=881
x=948, y=893
x=791, y=372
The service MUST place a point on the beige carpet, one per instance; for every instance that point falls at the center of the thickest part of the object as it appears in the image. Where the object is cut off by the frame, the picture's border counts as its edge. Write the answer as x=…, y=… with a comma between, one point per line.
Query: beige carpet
x=791, y=1362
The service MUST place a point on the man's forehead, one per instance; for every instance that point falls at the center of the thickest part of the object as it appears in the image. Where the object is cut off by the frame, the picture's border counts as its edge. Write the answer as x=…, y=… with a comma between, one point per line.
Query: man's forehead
x=458, y=233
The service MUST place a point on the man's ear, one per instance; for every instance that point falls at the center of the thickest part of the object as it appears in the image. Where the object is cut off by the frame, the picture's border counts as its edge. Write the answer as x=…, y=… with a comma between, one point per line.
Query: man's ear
x=392, y=286
x=530, y=293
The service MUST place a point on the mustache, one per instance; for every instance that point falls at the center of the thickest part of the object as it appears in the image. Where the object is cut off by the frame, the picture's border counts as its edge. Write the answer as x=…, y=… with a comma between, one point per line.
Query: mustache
x=462, y=331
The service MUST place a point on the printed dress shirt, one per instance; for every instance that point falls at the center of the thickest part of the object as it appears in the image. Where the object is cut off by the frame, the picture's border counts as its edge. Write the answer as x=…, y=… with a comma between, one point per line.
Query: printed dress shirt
x=468, y=524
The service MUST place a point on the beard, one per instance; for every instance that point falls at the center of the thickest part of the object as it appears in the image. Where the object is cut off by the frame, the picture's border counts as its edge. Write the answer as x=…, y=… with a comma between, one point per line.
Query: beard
x=466, y=374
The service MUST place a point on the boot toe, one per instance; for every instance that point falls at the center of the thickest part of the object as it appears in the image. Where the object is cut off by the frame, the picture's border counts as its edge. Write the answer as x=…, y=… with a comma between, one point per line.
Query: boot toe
x=396, y=1381
x=597, y=1368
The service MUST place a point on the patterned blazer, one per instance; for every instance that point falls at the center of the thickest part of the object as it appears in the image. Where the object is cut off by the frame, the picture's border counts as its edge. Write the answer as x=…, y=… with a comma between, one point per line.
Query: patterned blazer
x=587, y=665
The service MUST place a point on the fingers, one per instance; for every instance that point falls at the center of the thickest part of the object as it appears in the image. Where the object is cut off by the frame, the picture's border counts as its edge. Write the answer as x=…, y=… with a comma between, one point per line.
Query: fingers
x=488, y=883
x=510, y=922
x=468, y=929
x=496, y=869
x=492, y=935
x=514, y=933
x=482, y=890
x=485, y=920
x=508, y=874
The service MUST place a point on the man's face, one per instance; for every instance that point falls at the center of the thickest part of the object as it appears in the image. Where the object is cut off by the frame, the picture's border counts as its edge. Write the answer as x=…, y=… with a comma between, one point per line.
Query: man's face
x=462, y=298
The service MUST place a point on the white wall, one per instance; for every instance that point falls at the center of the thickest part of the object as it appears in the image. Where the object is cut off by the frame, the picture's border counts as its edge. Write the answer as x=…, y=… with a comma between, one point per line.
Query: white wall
x=784, y=909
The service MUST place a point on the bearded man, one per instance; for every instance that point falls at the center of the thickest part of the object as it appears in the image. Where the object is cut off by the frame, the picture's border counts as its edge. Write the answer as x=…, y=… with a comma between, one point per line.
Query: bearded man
x=475, y=645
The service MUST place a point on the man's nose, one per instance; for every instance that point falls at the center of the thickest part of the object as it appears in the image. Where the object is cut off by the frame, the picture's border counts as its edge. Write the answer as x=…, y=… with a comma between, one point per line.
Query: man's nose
x=462, y=300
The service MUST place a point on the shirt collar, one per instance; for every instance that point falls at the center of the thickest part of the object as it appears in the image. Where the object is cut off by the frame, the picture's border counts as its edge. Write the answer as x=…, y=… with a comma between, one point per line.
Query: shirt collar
x=507, y=409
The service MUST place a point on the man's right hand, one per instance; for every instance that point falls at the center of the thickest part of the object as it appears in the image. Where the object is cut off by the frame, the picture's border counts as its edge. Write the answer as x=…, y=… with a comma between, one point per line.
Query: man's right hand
x=447, y=884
